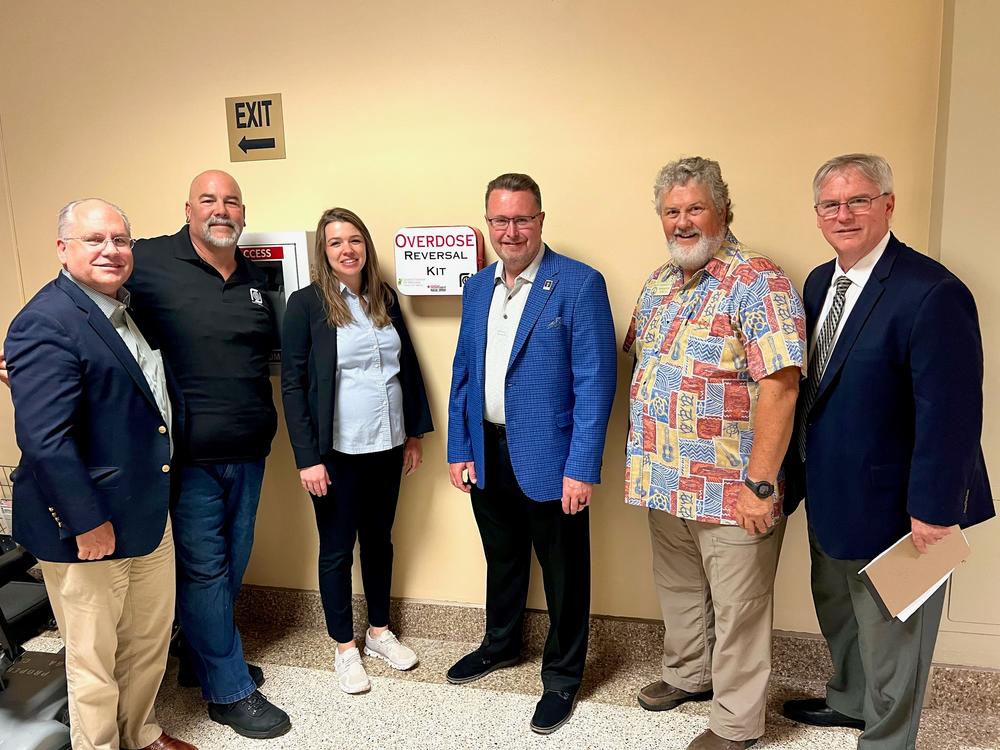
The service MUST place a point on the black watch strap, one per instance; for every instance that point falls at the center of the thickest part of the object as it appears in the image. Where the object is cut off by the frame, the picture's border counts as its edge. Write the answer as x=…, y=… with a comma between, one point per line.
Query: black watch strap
x=762, y=489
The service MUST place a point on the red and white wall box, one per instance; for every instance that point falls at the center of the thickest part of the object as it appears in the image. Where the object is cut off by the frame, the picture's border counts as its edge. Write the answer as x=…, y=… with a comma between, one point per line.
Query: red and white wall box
x=284, y=258
x=436, y=260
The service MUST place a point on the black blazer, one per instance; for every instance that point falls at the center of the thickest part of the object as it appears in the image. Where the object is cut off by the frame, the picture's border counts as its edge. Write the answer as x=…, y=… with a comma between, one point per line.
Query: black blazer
x=93, y=444
x=895, y=429
x=309, y=376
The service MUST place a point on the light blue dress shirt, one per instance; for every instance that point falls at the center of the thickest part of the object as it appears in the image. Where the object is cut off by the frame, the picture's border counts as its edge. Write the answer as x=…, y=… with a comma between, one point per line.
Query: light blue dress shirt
x=150, y=360
x=368, y=408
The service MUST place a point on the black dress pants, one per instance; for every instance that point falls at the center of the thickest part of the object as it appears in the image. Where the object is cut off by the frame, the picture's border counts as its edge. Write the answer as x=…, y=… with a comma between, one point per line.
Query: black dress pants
x=359, y=505
x=510, y=523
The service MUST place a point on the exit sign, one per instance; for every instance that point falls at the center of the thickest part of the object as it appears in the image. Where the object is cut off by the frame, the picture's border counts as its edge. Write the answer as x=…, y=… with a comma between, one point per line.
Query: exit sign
x=256, y=127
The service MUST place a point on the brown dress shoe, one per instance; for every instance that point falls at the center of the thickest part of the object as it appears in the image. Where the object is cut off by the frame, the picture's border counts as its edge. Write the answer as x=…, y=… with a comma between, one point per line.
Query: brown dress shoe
x=709, y=740
x=166, y=742
x=662, y=696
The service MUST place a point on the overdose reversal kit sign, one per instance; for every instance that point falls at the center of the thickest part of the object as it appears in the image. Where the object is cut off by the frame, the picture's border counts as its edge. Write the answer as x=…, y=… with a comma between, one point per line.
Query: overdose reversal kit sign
x=436, y=260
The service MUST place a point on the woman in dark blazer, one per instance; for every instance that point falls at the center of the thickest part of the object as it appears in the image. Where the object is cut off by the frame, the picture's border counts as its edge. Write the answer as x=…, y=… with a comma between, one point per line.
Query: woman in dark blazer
x=356, y=411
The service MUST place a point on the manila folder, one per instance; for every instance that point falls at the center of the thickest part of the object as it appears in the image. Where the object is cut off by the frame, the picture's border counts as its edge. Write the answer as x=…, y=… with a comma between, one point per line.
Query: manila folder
x=900, y=576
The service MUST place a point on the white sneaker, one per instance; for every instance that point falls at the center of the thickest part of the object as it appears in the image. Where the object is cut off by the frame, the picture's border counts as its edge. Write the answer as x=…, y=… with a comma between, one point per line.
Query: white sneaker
x=387, y=647
x=351, y=672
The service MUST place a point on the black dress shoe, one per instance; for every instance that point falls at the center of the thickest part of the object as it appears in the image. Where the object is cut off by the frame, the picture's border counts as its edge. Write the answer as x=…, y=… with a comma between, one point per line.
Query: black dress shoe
x=188, y=678
x=477, y=664
x=254, y=717
x=553, y=710
x=815, y=712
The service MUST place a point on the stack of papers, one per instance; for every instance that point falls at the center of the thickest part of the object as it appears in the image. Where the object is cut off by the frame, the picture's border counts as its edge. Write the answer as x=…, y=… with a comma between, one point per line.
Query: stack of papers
x=901, y=579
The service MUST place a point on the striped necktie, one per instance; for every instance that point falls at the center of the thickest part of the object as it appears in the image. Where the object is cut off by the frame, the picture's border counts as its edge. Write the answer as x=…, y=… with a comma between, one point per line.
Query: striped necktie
x=820, y=357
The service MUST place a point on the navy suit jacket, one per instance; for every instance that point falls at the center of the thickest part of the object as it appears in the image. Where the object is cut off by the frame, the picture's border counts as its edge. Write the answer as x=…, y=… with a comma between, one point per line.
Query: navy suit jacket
x=93, y=443
x=309, y=376
x=560, y=380
x=895, y=429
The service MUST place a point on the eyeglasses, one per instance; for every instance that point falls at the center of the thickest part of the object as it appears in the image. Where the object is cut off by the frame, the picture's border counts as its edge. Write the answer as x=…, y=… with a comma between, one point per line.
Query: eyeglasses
x=119, y=241
x=502, y=222
x=859, y=204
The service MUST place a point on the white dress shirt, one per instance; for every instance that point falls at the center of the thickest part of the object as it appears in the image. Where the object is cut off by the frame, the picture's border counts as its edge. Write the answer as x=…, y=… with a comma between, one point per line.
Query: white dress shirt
x=506, y=308
x=368, y=407
x=858, y=275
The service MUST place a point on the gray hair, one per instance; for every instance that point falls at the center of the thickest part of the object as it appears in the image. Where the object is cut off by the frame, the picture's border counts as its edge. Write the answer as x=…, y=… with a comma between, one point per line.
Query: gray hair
x=515, y=182
x=66, y=215
x=871, y=166
x=703, y=171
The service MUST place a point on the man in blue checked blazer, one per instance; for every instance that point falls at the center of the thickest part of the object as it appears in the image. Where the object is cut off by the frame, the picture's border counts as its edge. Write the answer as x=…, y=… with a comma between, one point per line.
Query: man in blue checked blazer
x=532, y=386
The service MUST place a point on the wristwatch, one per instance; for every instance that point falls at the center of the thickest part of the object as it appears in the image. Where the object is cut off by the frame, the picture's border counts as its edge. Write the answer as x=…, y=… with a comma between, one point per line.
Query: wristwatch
x=763, y=489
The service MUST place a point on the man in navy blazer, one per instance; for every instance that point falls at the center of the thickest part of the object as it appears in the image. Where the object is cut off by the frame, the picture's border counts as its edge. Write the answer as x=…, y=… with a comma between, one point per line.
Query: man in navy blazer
x=96, y=427
x=887, y=443
x=531, y=392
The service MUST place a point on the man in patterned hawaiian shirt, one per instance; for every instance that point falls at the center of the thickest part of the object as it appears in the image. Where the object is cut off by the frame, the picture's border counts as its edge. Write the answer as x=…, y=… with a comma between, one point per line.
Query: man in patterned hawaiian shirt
x=720, y=345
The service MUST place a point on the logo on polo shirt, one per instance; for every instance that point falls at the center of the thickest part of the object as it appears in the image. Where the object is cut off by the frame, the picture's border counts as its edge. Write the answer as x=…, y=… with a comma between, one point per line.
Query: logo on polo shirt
x=256, y=297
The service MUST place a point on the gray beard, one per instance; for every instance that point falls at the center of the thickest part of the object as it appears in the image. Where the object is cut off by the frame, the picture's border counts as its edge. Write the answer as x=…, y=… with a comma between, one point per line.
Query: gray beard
x=698, y=256
x=220, y=242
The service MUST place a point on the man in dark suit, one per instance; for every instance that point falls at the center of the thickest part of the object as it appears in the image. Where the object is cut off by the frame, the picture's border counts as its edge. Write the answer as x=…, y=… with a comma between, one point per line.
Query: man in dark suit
x=531, y=392
x=95, y=426
x=887, y=443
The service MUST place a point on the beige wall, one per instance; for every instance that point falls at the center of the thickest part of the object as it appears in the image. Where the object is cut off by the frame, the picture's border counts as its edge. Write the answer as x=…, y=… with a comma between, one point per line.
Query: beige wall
x=405, y=114
x=963, y=223
x=11, y=295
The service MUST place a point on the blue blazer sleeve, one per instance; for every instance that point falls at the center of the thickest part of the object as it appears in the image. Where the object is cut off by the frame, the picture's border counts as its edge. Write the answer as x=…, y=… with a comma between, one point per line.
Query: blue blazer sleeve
x=946, y=371
x=46, y=379
x=459, y=440
x=594, y=366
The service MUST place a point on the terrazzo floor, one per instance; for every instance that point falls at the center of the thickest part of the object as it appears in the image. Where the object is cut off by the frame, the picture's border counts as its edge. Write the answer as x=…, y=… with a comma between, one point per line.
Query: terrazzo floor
x=419, y=709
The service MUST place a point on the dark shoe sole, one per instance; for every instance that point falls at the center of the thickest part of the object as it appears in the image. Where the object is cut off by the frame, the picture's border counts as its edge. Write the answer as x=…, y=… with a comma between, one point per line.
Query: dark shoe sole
x=827, y=724
x=828, y=721
x=669, y=705
x=264, y=734
x=554, y=727
x=479, y=675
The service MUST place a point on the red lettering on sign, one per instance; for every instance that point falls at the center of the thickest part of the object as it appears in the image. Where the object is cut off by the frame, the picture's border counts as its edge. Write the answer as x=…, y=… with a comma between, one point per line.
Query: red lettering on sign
x=435, y=240
x=263, y=252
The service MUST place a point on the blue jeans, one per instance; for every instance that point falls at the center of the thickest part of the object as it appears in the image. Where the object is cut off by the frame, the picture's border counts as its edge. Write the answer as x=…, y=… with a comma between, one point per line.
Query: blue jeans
x=213, y=522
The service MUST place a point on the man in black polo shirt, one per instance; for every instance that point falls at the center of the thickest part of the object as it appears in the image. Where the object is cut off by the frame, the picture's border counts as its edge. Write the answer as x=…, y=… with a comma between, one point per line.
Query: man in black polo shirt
x=203, y=306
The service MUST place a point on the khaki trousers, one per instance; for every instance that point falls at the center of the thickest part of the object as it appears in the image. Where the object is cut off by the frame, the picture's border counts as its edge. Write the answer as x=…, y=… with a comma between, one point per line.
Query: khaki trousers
x=716, y=589
x=115, y=618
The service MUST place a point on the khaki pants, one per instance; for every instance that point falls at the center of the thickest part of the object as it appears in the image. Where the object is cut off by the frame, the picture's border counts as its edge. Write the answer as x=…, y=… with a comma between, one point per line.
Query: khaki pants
x=115, y=618
x=716, y=589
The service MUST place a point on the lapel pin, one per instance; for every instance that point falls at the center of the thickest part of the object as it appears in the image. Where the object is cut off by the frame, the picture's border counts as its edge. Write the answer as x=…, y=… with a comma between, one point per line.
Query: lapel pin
x=547, y=286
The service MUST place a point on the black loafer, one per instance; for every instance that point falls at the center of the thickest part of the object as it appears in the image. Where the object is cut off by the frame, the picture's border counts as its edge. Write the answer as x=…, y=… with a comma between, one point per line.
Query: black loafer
x=477, y=664
x=552, y=711
x=254, y=717
x=815, y=712
x=188, y=678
